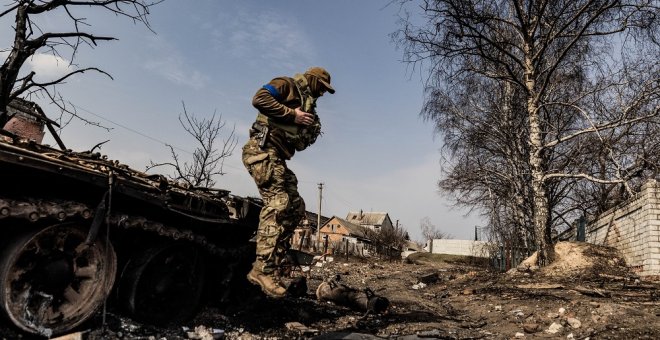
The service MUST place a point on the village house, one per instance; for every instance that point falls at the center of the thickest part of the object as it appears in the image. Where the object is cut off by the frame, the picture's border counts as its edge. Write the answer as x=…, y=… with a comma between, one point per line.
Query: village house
x=375, y=221
x=342, y=236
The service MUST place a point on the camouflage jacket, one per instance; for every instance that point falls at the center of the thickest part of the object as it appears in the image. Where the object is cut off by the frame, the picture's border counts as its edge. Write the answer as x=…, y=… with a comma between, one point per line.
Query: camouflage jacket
x=276, y=102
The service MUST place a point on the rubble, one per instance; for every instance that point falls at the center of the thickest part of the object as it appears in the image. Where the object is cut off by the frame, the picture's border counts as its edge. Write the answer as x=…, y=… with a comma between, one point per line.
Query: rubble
x=343, y=295
x=575, y=260
x=475, y=303
x=554, y=328
x=573, y=322
x=72, y=336
x=205, y=333
x=300, y=329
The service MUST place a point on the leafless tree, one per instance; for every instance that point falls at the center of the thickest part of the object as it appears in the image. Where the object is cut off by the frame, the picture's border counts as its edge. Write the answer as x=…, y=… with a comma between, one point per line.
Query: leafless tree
x=429, y=231
x=30, y=39
x=388, y=241
x=209, y=155
x=575, y=81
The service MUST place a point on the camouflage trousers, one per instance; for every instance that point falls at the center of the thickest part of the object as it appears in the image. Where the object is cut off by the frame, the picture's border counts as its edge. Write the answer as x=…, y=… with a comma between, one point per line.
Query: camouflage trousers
x=283, y=207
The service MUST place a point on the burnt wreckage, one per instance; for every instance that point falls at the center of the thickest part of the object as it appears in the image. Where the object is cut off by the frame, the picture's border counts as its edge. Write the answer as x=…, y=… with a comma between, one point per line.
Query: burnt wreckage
x=78, y=228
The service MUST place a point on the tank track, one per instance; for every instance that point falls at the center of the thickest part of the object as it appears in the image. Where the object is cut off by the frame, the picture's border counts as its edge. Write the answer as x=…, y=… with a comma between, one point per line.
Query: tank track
x=35, y=211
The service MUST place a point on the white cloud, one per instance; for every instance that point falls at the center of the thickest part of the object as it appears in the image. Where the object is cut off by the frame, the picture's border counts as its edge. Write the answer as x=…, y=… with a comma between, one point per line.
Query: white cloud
x=170, y=64
x=48, y=67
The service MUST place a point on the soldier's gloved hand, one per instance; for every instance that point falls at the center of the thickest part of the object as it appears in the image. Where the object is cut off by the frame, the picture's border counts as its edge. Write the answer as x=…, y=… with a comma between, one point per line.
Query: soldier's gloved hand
x=303, y=117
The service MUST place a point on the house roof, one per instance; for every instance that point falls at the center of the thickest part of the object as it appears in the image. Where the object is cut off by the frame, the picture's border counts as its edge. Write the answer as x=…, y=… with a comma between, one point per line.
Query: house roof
x=353, y=229
x=369, y=218
x=313, y=218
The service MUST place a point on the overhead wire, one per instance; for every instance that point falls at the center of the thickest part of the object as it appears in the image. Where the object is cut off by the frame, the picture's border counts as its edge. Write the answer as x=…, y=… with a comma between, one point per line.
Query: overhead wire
x=144, y=134
x=132, y=130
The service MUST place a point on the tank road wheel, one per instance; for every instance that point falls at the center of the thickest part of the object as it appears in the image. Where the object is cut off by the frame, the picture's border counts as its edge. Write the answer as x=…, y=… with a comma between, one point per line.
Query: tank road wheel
x=51, y=280
x=163, y=284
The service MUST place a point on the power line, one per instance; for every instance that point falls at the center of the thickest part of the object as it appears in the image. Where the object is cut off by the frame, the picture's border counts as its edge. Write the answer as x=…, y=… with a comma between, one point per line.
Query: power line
x=146, y=135
x=345, y=202
x=133, y=130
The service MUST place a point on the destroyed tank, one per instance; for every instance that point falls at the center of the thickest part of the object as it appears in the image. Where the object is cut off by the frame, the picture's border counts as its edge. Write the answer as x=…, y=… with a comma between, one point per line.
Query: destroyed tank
x=79, y=230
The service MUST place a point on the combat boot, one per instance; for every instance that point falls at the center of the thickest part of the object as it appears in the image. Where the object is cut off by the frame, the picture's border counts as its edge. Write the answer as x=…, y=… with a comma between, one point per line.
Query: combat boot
x=268, y=283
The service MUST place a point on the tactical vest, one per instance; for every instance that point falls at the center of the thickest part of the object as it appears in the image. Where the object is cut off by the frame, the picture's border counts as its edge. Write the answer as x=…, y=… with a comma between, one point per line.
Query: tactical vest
x=299, y=136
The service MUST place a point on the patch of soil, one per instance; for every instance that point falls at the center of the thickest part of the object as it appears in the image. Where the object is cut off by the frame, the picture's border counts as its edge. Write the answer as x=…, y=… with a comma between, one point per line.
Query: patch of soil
x=588, y=293
x=578, y=260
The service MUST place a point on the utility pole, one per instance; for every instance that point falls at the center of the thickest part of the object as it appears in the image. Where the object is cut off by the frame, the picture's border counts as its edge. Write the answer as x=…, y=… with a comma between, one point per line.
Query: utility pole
x=318, y=217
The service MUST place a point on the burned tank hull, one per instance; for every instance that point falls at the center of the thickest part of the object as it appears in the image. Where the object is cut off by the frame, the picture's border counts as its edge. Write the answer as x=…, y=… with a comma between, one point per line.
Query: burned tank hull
x=79, y=228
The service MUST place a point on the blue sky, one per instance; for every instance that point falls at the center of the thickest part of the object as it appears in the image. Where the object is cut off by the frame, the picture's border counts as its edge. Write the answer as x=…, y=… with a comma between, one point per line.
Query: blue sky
x=376, y=154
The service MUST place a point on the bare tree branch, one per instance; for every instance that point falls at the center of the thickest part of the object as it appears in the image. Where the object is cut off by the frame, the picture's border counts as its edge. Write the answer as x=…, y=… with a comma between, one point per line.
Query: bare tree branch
x=27, y=14
x=207, y=159
x=535, y=108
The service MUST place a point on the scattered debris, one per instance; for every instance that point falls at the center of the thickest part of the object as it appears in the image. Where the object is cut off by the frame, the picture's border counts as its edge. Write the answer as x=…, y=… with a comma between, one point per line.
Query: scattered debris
x=531, y=327
x=554, y=328
x=575, y=323
x=297, y=287
x=205, y=333
x=541, y=285
x=72, y=336
x=429, y=278
x=418, y=285
x=343, y=295
x=468, y=291
x=465, y=303
x=592, y=292
x=300, y=328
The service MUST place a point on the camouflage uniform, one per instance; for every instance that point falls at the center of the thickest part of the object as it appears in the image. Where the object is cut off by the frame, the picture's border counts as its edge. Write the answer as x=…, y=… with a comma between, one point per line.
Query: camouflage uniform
x=274, y=138
x=283, y=207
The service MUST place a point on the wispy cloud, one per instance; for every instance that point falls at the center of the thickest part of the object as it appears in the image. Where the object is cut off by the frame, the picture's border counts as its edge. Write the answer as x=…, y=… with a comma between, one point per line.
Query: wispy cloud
x=45, y=66
x=264, y=36
x=169, y=63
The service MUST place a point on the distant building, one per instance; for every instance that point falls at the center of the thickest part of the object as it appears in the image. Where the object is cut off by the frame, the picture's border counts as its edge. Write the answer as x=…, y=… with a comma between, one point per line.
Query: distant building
x=375, y=221
x=341, y=234
x=458, y=247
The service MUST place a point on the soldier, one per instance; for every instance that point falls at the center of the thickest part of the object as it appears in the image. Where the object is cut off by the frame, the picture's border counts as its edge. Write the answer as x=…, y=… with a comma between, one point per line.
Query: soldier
x=286, y=123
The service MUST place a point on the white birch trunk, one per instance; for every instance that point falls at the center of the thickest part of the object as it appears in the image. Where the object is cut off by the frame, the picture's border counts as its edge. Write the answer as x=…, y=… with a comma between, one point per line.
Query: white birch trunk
x=539, y=194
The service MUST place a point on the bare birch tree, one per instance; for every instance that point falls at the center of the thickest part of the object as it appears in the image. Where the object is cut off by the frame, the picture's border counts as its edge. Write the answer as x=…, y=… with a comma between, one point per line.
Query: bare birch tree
x=30, y=39
x=576, y=75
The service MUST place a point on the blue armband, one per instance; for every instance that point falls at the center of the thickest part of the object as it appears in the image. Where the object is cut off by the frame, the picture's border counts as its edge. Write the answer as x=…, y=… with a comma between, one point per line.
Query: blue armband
x=273, y=91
